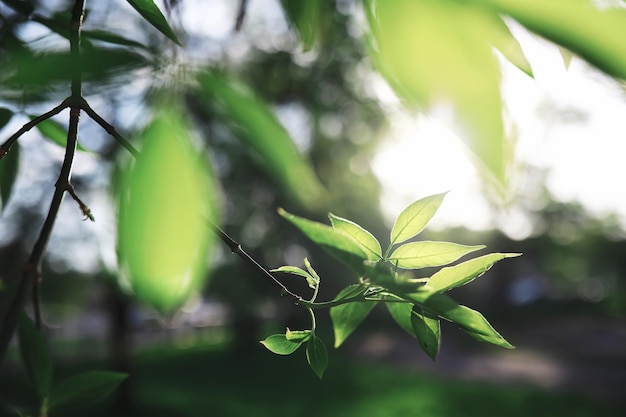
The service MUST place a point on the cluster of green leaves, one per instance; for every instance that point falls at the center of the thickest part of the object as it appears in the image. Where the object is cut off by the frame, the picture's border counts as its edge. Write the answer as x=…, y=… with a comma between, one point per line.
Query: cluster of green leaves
x=55, y=398
x=416, y=304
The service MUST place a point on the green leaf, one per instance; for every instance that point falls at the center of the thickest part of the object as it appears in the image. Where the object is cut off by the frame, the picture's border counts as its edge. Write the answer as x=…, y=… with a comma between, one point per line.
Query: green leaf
x=358, y=233
x=317, y=356
x=593, y=30
x=84, y=389
x=413, y=219
x=351, y=291
x=268, y=142
x=9, y=166
x=55, y=132
x=280, y=345
x=437, y=51
x=455, y=276
x=426, y=254
x=427, y=331
x=297, y=335
x=502, y=39
x=335, y=242
x=110, y=37
x=298, y=271
x=163, y=239
x=467, y=319
x=149, y=11
x=401, y=313
x=310, y=18
x=347, y=317
x=5, y=116
x=35, y=356
x=315, y=279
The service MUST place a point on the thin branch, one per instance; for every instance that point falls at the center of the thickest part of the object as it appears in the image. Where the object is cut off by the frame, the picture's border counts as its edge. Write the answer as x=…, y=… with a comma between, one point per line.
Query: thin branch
x=83, y=207
x=6, y=146
x=109, y=128
x=241, y=15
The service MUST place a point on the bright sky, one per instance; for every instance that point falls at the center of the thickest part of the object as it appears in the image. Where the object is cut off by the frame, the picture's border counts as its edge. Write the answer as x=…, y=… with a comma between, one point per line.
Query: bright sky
x=571, y=121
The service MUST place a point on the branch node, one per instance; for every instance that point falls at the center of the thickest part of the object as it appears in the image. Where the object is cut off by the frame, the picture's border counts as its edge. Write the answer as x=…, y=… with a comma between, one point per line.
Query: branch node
x=83, y=207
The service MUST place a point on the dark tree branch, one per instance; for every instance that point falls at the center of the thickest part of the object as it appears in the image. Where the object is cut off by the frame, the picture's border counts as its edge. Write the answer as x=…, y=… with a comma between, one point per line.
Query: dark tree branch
x=83, y=207
x=108, y=128
x=241, y=14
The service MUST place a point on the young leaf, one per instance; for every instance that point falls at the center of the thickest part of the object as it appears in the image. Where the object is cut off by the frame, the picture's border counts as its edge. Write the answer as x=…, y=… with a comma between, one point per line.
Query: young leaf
x=149, y=11
x=297, y=271
x=401, y=313
x=9, y=166
x=413, y=219
x=84, y=389
x=338, y=244
x=280, y=345
x=347, y=317
x=317, y=356
x=35, y=356
x=297, y=335
x=367, y=241
x=427, y=331
x=56, y=133
x=426, y=254
x=455, y=276
x=315, y=279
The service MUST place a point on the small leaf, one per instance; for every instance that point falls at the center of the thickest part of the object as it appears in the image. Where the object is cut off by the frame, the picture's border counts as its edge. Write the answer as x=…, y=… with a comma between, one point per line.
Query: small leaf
x=315, y=279
x=358, y=233
x=427, y=331
x=401, y=313
x=461, y=274
x=297, y=271
x=35, y=356
x=351, y=291
x=280, y=345
x=426, y=254
x=149, y=11
x=317, y=356
x=347, y=317
x=297, y=335
x=415, y=217
x=341, y=246
x=9, y=166
x=84, y=389
x=55, y=132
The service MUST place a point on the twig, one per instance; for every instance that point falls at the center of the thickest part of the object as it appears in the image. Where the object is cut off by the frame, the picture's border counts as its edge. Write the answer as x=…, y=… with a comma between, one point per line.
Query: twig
x=83, y=207
x=109, y=128
x=241, y=15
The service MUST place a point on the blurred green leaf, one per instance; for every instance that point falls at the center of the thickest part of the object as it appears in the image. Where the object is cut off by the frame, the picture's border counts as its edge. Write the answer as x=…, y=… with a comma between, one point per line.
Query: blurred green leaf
x=341, y=246
x=25, y=7
x=310, y=18
x=426, y=253
x=55, y=132
x=110, y=37
x=435, y=52
x=9, y=163
x=83, y=389
x=347, y=317
x=503, y=40
x=280, y=345
x=593, y=30
x=5, y=116
x=35, y=356
x=455, y=276
x=297, y=335
x=401, y=313
x=317, y=356
x=163, y=239
x=367, y=241
x=413, y=219
x=259, y=129
x=149, y=11
x=427, y=331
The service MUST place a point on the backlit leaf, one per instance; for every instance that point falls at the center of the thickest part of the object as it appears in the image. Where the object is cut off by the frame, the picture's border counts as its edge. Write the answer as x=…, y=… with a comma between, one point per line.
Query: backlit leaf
x=347, y=317
x=413, y=219
x=457, y=275
x=35, y=356
x=263, y=135
x=335, y=242
x=401, y=313
x=317, y=356
x=427, y=331
x=426, y=254
x=84, y=389
x=362, y=236
x=297, y=271
x=149, y=11
x=280, y=345
x=162, y=234
x=503, y=40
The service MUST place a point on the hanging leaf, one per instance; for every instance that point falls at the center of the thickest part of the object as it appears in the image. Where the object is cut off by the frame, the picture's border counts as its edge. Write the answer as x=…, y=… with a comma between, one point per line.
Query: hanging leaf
x=455, y=276
x=401, y=313
x=413, y=219
x=335, y=242
x=263, y=135
x=9, y=166
x=310, y=18
x=426, y=254
x=35, y=356
x=317, y=356
x=280, y=345
x=427, y=331
x=163, y=238
x=84, y=389
x=364, y=238
x=149, y=11
x=347, y=317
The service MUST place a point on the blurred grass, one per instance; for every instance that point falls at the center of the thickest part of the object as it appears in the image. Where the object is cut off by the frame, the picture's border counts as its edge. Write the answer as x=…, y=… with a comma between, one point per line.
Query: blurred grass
x=205, y=381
